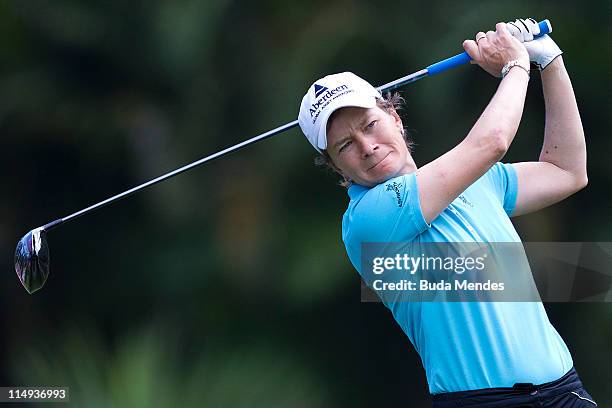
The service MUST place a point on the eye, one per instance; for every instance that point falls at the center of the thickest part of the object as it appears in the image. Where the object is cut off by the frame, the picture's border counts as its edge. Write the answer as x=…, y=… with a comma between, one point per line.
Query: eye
x=344, y=146
x=371, y=124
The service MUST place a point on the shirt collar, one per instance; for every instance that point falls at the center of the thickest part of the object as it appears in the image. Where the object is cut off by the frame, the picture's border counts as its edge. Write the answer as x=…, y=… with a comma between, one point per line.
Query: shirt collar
x=356, y=190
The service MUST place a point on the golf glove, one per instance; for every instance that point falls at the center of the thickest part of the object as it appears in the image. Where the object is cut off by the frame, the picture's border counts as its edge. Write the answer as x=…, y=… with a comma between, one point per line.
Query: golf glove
x=543, y=50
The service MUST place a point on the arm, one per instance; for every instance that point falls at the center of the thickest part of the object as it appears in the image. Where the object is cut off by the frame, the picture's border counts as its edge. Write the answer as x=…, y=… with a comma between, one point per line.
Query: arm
x=442, y=180
x=561, y=169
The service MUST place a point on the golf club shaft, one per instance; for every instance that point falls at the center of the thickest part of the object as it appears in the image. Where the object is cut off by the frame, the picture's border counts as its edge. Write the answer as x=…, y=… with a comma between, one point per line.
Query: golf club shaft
x=452, y=62
x=433, y=69
x=173, y=173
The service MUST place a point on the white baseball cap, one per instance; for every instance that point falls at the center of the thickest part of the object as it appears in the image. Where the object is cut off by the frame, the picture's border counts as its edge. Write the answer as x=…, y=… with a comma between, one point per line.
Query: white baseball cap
x=327, y=95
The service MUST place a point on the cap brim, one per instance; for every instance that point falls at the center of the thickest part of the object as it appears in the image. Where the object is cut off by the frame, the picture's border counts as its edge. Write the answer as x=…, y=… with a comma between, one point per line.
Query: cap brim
x=359, y=101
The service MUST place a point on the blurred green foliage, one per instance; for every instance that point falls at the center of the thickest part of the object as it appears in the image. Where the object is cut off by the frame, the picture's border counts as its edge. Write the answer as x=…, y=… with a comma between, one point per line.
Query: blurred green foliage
x=230, y=286
x=148, y=368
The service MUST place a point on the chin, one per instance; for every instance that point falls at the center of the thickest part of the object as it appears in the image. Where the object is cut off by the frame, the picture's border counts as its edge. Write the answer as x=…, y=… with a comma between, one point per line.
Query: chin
x=380, y=177
x=385, y=173
x=390, y=168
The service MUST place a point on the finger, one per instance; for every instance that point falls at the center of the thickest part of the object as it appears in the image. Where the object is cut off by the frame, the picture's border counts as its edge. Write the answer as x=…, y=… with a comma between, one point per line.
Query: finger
x=522, y=21
x=491, y=36
x=527, y=34
x=472, y=50
x=479, y=36
x=535, y=27
x=502, y=30
x=515, y=31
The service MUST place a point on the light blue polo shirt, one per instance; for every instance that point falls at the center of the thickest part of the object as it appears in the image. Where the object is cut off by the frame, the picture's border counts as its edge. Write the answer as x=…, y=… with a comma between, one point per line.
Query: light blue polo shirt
x=462, y=345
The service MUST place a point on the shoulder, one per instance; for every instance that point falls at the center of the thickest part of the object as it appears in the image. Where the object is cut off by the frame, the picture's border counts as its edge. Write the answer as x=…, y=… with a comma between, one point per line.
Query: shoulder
x=501, y=172
x=375, y=214
x=503, y=181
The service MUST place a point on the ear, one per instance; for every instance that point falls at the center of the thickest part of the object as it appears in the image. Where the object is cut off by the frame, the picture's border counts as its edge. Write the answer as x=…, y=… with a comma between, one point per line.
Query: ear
x=333, y=165
x=396, y=118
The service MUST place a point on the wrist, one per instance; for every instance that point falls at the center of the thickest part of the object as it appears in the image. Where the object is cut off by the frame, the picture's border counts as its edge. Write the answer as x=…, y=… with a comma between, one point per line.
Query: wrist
x=515, y=65
x=555, y=65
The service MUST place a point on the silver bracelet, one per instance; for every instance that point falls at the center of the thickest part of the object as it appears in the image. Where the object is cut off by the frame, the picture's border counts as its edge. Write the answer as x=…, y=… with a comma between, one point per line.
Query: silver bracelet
x=513, y=63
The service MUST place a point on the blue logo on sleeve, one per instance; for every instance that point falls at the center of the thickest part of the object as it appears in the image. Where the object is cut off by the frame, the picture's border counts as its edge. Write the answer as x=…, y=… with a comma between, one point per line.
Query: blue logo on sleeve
x=395, y=187
x=465, y=201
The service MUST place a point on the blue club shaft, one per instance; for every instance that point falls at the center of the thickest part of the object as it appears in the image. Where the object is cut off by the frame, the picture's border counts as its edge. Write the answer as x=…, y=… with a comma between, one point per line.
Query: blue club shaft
x=444, y=65
x=452, y=62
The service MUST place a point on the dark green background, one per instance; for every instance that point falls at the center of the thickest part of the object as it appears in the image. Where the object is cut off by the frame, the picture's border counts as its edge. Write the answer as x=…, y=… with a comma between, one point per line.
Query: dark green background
x=229, y=286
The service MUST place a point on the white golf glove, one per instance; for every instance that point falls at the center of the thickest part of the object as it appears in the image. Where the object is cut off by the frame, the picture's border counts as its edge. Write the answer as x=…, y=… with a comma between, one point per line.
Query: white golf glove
x=543, y=50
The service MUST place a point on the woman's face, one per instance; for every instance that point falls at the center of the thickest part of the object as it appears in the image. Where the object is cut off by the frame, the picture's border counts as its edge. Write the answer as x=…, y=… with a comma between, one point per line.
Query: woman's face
x=367, y=146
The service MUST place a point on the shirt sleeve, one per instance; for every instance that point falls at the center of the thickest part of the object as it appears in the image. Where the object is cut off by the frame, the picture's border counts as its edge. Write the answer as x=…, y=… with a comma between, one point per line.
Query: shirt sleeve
x=389, y=212
x=504, y=183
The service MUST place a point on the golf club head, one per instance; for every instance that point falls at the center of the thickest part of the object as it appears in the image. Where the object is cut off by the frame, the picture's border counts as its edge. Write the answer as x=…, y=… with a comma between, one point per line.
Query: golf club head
x=32, y=260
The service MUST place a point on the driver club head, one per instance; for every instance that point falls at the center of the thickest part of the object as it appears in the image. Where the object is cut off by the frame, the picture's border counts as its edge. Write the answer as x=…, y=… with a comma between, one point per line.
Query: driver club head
x=32, y=260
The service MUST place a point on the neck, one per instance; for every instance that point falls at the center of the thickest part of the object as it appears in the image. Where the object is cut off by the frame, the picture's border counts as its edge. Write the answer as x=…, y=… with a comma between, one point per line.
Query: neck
x=409, y=167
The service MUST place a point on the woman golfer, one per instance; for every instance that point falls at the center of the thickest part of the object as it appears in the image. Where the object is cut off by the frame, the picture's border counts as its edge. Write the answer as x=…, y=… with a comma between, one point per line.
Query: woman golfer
x=475, y=354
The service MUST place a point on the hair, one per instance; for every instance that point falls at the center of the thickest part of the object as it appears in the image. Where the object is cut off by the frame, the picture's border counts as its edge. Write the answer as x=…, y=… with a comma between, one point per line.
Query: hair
x=388, y=103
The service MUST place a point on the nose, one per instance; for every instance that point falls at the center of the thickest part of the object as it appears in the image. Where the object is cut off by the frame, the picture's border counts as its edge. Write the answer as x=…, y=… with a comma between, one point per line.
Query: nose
x=367, y=146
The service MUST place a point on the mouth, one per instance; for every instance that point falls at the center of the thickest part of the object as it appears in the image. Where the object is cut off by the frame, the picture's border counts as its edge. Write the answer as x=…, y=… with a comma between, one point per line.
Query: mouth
x=382, y=160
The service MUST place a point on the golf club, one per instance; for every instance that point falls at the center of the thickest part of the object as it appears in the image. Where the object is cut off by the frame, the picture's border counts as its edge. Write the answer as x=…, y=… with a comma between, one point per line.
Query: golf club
x=32, y=253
